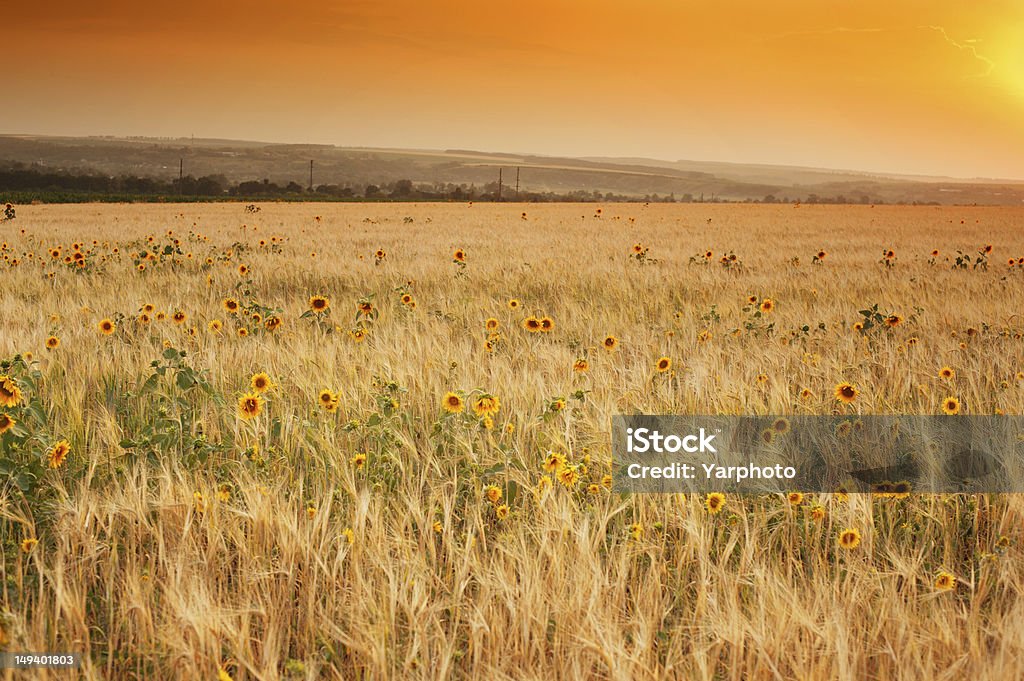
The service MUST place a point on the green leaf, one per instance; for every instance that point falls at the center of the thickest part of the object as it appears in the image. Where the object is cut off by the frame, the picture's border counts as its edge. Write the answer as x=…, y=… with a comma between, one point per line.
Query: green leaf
x=25, y=481
x=184, y=380
x=150, y=383
x=491, y=470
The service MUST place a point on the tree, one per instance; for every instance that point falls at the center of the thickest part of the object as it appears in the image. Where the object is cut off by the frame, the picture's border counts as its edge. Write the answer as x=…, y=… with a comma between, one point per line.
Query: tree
x=403, y=188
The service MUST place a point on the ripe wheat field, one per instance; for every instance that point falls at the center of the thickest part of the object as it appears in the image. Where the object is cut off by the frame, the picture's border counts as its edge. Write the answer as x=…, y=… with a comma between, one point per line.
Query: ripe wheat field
x=373, y=441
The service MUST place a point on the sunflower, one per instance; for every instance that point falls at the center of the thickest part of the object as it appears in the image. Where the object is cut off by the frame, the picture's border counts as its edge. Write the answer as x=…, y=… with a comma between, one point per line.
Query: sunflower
x=52, y=343
x=272, y=323
x=501, y=512
x=6, y=422
x=261, y=382
x=553, y=462
x=160, y=316
x=513, y=304
x=849, y=538
x=944, y=581
x=568, y=476
x=901, y=489
x=243, y=332
x=380, y=254
x=358, y=461
x=767, y=305
x=486, y=405
x=531, y=324
x=28, y=543
x=846, y=392
x=947, y=373
x=951, y=406
x=893, y=320
x=606, y=482
x=610, y=343
x=818, y=513
x=491, y=324
x=10, y=393
x=179, y=317
x=795, y=498
x=215, y=325
x=327, y=400
x=358, y=335
x=365, y=307
x=148, y=308
x=663, y=365
x=250, y=405
x=781, y=425
x=638, y=248
x=493, y=493
x=230, y=305
x=452, y=403
x=106, y=327
x=319, y=303
x=581, y=365
x=459, y=255
x=547, y=324
x=406, y=298
x=58, y=454
x=714, y=502
x=543, y=486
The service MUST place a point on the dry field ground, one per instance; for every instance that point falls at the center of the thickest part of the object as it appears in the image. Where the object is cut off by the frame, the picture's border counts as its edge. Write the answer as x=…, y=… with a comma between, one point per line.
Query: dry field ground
x=199, y=528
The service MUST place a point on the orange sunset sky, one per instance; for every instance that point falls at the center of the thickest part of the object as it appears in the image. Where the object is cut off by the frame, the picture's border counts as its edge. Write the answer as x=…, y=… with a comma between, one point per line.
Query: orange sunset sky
x=929, y=87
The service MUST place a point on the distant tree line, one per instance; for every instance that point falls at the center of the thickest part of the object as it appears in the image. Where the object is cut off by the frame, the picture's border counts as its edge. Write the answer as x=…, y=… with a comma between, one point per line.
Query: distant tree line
x=35, y=182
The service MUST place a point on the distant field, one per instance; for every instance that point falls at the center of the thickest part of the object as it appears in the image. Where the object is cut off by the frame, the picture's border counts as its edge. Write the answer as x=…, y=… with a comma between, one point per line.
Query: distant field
x=419, y=489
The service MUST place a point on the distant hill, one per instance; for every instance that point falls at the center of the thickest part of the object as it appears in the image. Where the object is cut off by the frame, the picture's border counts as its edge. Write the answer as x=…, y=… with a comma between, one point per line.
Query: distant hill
x=239, y=161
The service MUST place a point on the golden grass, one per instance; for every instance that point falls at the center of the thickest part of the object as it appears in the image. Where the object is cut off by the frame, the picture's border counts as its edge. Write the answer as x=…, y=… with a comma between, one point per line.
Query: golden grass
x=310, y=566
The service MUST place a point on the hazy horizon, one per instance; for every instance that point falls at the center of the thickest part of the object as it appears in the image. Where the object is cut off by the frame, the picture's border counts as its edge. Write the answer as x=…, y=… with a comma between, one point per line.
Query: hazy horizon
x=916, y=89
x=625, y=160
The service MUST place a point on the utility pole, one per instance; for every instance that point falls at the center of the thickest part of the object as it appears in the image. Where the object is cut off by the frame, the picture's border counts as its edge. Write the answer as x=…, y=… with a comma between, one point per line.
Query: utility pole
x=499, y=184
x=517, y=183
x=181, y=175
x=310, y=174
